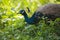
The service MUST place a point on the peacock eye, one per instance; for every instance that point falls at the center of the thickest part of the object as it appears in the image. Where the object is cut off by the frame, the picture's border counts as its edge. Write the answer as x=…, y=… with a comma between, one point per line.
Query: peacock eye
x=22, y=12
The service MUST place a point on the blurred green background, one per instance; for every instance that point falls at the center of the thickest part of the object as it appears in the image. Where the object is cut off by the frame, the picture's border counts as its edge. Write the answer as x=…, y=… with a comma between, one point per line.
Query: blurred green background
x=13, y=26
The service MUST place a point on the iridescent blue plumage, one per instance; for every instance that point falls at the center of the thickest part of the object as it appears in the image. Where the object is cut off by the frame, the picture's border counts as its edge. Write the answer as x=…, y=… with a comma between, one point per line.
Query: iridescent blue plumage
x=34, y=19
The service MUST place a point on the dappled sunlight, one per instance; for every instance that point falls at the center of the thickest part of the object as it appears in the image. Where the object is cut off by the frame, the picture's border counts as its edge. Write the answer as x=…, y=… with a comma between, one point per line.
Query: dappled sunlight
x=19, y=17
x=14, y=27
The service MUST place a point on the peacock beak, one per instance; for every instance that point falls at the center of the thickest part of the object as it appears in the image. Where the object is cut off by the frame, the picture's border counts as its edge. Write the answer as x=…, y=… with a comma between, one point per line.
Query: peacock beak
x=19, y=12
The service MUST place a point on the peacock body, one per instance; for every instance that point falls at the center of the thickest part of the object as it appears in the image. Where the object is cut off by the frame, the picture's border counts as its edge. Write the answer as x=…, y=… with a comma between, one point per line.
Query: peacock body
x=52, y=11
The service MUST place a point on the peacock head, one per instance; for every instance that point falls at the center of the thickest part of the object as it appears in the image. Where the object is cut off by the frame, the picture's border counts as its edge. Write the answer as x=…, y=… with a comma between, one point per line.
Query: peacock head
x=22, y=12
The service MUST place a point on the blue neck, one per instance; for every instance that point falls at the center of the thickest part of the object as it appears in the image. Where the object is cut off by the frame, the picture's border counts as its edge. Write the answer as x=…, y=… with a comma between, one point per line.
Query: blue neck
x=29, y=20
x=26, y=17
x=34, y=19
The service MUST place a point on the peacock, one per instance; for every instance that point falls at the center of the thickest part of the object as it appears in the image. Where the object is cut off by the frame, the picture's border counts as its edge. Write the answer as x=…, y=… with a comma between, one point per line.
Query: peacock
x=51, y=11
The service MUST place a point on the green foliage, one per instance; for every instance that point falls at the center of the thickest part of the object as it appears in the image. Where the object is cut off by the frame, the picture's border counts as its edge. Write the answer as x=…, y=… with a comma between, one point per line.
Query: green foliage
x=58, y=0
x=13, y=26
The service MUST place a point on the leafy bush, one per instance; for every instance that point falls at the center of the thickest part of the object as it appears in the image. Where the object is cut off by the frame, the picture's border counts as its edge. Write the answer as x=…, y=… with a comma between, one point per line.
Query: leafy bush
x=13, y=26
